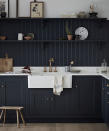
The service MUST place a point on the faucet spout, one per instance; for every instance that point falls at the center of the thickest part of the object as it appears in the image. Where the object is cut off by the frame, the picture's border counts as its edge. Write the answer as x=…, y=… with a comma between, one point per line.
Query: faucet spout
x=51, y=60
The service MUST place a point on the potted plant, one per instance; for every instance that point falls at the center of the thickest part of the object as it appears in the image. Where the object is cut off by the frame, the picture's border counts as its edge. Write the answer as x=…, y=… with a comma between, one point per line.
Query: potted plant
x=69, y=32
x=29, y=36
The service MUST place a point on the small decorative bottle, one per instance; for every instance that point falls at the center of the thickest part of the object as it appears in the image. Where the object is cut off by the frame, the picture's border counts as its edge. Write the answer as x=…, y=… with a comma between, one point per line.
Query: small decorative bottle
x=104, y=66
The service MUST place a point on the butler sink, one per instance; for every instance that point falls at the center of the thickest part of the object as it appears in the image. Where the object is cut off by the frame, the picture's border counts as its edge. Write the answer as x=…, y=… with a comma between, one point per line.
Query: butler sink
x=40, y=81
x=47, y=80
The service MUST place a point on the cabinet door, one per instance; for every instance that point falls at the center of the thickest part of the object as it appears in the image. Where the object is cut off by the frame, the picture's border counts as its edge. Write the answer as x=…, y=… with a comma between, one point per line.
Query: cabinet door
x=2, y=91
x=105, y=100
x=67, y=104
x=89, y=96
x=103, y=97
x=14, y=91
x=61, y=104
x=41, y=102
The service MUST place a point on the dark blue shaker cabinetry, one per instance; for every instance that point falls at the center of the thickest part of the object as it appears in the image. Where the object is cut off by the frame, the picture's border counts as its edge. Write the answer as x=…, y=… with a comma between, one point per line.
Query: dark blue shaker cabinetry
x=12, y=92
x=41, y=103
x=89, y=95
x=80, y=103
x=105, y=100
x=2, y=91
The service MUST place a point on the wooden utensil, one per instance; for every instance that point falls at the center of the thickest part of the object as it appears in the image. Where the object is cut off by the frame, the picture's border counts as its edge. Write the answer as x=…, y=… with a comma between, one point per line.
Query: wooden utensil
x=6, y=64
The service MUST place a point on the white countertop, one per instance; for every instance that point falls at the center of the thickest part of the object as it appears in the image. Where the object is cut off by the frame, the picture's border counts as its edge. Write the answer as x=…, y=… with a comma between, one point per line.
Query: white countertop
x=91, y=71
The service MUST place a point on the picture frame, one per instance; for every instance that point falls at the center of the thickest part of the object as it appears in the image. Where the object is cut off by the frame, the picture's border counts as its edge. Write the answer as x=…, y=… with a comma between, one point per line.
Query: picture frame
x=5, y=5
x=36, y=9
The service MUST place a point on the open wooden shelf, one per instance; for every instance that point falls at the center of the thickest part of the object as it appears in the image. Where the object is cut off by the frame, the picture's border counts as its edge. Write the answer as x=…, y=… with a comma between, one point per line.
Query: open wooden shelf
x=51, y=41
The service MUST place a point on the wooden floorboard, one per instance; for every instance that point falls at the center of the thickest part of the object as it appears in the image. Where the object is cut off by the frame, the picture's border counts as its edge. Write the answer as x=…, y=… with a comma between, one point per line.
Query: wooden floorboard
x=57, y=127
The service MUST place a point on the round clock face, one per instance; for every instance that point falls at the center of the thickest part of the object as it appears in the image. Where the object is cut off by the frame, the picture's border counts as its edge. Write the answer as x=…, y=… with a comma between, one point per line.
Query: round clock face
x=82, y=32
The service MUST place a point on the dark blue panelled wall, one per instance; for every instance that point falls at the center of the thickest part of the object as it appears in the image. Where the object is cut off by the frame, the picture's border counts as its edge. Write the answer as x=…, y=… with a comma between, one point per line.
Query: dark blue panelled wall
x=48, y=34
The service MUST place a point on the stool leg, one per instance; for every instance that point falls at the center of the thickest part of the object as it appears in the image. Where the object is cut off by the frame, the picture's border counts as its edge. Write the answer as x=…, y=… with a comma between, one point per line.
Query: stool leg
x=1, y=115
x=4, y=117
x=17, y=112
x=22, y=117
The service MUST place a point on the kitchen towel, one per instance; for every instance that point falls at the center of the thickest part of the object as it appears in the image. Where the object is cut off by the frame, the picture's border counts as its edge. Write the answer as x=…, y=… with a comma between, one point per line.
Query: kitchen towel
x=58, y=84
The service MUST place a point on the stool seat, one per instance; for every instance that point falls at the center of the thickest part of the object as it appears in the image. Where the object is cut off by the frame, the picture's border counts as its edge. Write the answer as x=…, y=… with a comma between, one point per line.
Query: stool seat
x=11, y=108
x=17, y=109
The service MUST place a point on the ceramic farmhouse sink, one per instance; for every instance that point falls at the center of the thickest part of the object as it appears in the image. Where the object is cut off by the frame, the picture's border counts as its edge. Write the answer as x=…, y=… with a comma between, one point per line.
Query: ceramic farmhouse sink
x=47, y=80
x=40, y=81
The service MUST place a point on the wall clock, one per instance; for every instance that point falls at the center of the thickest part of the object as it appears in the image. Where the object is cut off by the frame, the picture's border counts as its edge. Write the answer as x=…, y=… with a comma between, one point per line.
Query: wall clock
x=82, y=32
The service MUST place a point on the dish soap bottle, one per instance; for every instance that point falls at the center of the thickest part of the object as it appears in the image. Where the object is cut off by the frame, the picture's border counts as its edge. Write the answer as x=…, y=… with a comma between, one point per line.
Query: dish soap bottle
x=104, y=66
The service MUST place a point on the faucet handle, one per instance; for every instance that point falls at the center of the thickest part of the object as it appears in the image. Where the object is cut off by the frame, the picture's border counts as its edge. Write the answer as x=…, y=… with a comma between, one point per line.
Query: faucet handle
x=51, y=60
x=55, y=70
x=45, y=69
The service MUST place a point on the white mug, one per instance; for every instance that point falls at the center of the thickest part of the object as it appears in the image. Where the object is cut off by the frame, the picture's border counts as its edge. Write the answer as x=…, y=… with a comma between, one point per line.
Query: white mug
x=20, y=36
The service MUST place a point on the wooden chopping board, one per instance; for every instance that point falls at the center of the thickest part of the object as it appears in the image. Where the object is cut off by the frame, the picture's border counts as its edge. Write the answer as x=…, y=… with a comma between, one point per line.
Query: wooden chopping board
x=6, y=64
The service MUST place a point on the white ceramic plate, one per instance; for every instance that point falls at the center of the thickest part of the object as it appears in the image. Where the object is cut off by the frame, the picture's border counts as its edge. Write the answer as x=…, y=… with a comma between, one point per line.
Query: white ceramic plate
x=82, y=32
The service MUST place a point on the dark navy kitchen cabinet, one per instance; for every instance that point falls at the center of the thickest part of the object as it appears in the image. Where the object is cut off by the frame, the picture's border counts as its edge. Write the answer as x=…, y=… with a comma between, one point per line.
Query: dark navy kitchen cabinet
x=67, y=104
x=12, y=92
x=82, y=101
x=44, y=104
x=13, y=88
x=89, y=96
x=2, y=91
x=41, y=102
x=105, y=100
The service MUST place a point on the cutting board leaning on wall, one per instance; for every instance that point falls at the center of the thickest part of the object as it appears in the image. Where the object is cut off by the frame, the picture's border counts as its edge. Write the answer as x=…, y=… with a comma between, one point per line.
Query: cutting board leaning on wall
x=6, y=64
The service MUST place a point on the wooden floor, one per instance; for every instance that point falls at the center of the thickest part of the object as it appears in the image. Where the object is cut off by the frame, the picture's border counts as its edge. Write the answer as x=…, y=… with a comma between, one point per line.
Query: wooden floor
x=57, y=127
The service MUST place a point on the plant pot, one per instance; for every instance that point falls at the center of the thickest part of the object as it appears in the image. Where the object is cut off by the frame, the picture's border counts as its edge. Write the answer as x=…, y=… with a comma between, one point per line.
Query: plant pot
x=3, y=14
x=28, y=38
x=69, y=37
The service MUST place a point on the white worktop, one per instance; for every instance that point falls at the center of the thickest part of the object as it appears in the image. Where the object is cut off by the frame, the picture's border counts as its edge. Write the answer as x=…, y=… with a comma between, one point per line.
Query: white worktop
x=94, y=71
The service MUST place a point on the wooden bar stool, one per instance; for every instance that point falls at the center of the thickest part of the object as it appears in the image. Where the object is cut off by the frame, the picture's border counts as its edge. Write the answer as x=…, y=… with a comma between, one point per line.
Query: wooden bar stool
x=17, y=109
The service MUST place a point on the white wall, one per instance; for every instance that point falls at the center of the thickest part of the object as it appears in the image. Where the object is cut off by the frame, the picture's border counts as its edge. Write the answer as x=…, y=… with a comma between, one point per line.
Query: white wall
x=55, y=8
